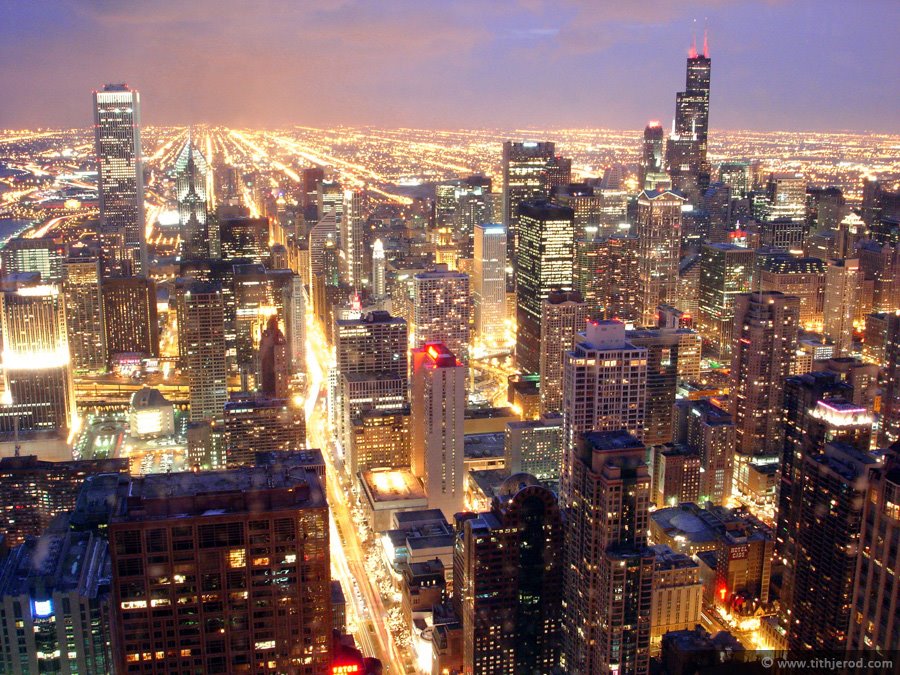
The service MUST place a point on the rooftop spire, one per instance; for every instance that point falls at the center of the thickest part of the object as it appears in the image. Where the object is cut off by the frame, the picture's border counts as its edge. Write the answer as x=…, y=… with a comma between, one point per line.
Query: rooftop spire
x=705, y=43
x=692, y=52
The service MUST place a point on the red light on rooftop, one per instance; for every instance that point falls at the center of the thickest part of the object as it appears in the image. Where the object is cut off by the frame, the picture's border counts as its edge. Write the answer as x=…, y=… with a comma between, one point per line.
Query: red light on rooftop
x=432, y=352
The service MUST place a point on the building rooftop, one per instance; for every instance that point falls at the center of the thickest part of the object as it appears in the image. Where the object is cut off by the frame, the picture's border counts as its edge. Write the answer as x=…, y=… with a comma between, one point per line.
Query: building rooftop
x=477, y=446
x=548, y=420
x=699, y=525
x=213, y=493
x=605, y=441
x=149, y=398
x=392, y=485
x=667, y=559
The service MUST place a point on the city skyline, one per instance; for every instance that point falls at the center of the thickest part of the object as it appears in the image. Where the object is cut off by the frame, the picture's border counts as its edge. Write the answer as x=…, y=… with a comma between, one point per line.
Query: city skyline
x=449, y=64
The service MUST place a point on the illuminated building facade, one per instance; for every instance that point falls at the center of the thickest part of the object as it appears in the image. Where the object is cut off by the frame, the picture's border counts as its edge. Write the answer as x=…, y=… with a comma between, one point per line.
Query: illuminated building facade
x=658, y=229
x=507, y=572
x=441, y=306
x=54, y=594
x=652, y=167
x=379, y=283
x=437, y=409
x=353, y=241
x=763, y=346
x=247, y=550
x=244, y=237
x=544, y=263
x=725, y=271
x=890, y=398
x=84, y=313
x=535, y=447
x=150, y=414
x=586, y=204
x=803, y=278
x=379, y=439
x=203, y=326
x=686, y=149
x=489, y=282
x=274, y=364
x=36, y=364
x=257, y=424
x=44, y=255
x=120, y=169
x=129, y=316
x=873, y=619
x=524, y=179
x=842, y=290
x=786, y=196
x=608, y=573
x=563, y=316
x=708, y=429
x=191, y=171
x=605, y=383
x=606, y=275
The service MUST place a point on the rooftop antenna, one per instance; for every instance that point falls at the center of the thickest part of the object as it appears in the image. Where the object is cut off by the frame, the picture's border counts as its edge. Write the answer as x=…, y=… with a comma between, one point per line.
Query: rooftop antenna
x=692, y=52
x=706, y=43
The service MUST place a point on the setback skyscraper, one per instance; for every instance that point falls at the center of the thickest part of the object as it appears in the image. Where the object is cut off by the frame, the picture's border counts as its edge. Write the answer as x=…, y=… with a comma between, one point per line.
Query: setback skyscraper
x=191, y=172
x=658, y=230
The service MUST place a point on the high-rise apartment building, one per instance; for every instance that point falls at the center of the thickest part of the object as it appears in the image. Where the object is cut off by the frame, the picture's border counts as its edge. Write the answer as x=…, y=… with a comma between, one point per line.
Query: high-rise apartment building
x=763, y=345
x=842, y=291
x=708, y=429
x=129, y=316
x=244, y=237
x=832, y=491
x=441, y=306
x=379, y=284
x=605, y=383
x=608, y=575
x=606, y=275
x=786, y=196
x=890, y=397
x=202, y=322
x=353, y=241
x=507, y=581
x=438, y=405
x=725, y=271
x=120, y=170
x=191, y=172
x=240, y=578
x=876, y=596
x=658, y=229
x=489, y=282
x=544, y=263
x=37, y=367
x=274, y=362
x=563, y=316
x=84, y=313
x=535, y=447
x=803, y=278
x=524, y=179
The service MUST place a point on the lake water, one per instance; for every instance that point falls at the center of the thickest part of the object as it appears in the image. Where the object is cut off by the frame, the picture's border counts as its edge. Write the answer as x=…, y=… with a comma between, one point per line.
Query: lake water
x=10, y=227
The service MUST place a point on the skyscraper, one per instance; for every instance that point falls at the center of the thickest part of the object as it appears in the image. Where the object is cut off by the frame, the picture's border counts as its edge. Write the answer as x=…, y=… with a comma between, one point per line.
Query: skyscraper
x=762, y=351
x=890, y=398
x=353, y=241
x=608, y=575
x=274, y=365
x=44, y=255
x=652, y=168
x=686, y=151
x=605, y=383
x=524, y=179
x=379, y=286
x=658, y=229
x=441, y=310
x=725, y=271
x=563, y=316
x=117, y=137
x=191, y=171
x=842, y=291
x=708, y=429
x=873, y=619
x=36, y=363
x=438, y=406
x=833, y=486
x=800, y=277
x=545, y=252
x=203, y=324
x=204, y=532
x=507, y=572
x=129, y=316
x=259, y=424
x=84, y=313
x=489, y=282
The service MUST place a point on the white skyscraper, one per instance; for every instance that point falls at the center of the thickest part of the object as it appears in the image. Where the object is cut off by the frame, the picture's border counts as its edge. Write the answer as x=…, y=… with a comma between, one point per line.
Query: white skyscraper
x=489, y=282
x=117, y=135
x=203, y=323
x=378, y=269
x=441, y=310
x=353, y=241
x=438, y=406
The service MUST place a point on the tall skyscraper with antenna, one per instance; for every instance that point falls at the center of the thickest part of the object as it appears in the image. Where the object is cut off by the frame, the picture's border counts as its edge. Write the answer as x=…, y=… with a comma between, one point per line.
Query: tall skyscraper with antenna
x=686, y=148
x=117, y=137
